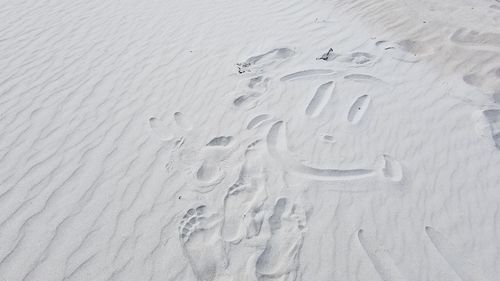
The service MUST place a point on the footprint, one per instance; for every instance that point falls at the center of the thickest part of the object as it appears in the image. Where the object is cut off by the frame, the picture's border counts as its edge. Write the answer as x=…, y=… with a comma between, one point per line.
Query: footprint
x=244, y=198
x=465, y=36
x=280, y=258
x=252, y=167
x=405, y=50
x=381, y=259
x=310, y=73
x=182, y=121
x=384, y=44
x=320, y=99
x=259, y=63
x=241, y=211
x=209, y=173
x=493, y=118
x=259, y=120
x=247, y=101
x=416, y=48
x=487, y=81
x=472, y=79
x=259, y=83
x=199, y=237
x=160, y=129
x=220, y=141
x=359, y=58
x=358, y=109
x=356, y=59
x=254, y=81
x=461, y=265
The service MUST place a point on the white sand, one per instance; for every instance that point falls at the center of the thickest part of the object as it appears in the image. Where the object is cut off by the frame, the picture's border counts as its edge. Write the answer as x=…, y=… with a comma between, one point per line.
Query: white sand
x=250, y=140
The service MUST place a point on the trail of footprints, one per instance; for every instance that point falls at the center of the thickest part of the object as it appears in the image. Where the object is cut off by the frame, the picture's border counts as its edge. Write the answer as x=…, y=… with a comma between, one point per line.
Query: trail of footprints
x=206, y=236
x=209, y=236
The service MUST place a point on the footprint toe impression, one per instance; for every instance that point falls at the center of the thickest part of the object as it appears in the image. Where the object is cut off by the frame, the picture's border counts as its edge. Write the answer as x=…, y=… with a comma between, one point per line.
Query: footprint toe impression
x=198, y=234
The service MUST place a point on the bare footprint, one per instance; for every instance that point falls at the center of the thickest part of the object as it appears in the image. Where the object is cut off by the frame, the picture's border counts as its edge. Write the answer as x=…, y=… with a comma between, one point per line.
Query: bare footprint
x=258, y=63
x=360, y=58
x=160, y=128
x=488, y=81
x=241, y=219
x=259, y=83
x=355, y=59
x=465, y=36
x=280, y=258
x=208, y=174
x=199, y=237
x=182, y=121
x=244, y=199
x=405, y=50
x=247, y=100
